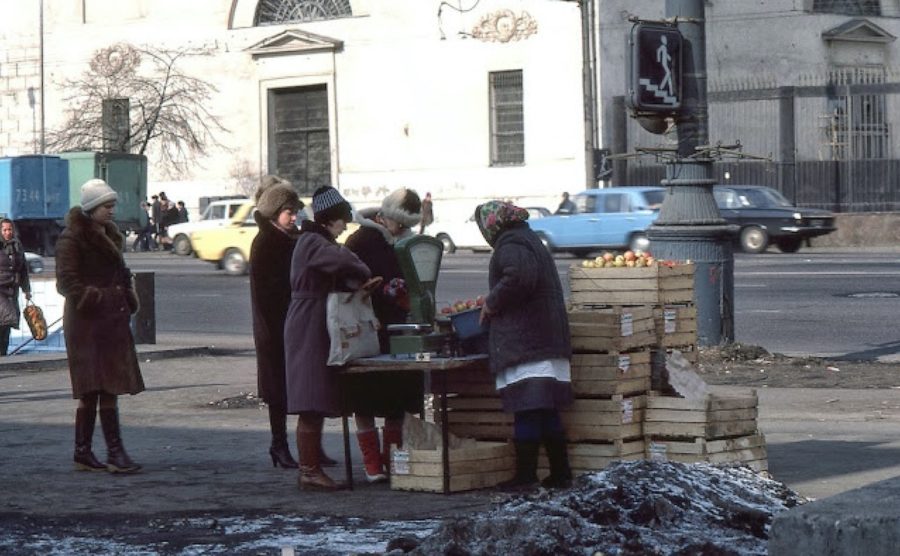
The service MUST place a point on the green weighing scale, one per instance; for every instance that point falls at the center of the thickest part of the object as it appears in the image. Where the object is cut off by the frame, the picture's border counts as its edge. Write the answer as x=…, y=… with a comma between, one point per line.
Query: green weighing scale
x=420, y=261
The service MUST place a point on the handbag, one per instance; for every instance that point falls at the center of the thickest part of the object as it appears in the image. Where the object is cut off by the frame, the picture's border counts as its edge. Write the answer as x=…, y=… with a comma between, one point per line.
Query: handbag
x=352, y=327
x=34, y=317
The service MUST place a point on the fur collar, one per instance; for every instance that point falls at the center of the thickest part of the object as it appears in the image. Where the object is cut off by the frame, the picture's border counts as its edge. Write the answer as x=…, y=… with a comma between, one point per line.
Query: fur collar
x=110, y=240
x=366, y=219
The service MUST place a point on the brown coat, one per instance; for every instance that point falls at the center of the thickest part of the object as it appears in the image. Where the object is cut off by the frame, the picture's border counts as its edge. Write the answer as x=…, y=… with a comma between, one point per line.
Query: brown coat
x=100, y=297
x=317, y=266
x=270, y=295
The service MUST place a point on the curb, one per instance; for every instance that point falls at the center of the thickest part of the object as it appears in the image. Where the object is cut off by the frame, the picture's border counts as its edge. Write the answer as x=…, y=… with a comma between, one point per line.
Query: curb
x=60, y=361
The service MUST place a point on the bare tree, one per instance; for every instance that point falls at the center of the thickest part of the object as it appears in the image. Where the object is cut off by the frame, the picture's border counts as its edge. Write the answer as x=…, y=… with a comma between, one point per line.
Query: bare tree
x=168, y=109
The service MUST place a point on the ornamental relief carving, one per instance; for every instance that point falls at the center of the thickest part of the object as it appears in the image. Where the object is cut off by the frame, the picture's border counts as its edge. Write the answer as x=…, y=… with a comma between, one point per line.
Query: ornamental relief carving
x=505, y=26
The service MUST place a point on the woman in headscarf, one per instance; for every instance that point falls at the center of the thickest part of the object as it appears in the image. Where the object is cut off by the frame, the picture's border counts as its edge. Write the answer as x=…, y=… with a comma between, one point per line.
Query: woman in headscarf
x=319, y=265
x=530, y=347
x=13, y=275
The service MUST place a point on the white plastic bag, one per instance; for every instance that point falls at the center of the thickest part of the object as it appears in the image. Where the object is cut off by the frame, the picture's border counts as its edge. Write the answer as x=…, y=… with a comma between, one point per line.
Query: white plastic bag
x=352, y=327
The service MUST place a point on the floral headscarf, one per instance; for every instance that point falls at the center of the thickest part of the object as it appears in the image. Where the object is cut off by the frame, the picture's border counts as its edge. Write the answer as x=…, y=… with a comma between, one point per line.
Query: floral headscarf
x=495, y=216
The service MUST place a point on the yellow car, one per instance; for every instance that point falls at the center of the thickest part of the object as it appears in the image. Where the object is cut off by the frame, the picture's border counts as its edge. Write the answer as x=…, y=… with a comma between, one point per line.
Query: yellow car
x=228, y=247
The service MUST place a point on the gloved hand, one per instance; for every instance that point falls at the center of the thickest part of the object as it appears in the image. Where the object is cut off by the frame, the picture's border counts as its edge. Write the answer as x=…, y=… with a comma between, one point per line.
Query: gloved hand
x=396, y=290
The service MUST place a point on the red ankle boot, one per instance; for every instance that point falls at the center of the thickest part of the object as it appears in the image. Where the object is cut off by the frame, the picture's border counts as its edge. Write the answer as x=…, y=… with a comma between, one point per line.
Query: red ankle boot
x=391, y=436
x=368, y=444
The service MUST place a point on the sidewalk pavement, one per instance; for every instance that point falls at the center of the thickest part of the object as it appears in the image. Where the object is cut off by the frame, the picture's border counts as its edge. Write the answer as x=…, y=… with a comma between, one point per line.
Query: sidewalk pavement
x=201, y=457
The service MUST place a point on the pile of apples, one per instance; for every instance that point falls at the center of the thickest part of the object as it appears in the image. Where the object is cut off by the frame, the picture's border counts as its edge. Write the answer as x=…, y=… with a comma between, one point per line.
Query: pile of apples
x=628, y=259
x=459, y=306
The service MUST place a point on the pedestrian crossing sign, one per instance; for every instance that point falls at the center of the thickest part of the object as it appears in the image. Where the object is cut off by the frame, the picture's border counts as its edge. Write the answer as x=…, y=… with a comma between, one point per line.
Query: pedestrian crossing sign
x=655, y=70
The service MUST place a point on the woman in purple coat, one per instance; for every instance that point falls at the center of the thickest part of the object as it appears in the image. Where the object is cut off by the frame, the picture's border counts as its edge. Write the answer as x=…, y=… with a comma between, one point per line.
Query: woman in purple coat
x=319, y=266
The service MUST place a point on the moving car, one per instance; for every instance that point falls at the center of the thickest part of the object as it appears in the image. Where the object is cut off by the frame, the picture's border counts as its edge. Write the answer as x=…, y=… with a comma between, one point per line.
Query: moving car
x=217, y=214
x=537, y=212
x=766, y=217
x=35, y=262
x=459, y=234
x=609, y=218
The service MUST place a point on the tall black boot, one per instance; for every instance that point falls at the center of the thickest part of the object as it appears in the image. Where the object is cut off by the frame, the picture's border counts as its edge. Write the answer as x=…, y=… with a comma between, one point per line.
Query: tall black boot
x=558, y=456
x=85, y=418
x=279, y=451
x=526, y=466
x=117, y=461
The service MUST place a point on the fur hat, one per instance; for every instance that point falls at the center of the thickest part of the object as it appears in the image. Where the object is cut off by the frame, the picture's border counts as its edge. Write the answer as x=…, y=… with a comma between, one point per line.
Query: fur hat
x=403, y=206
x=266, y=182
x=277, y=198
x=95, y=193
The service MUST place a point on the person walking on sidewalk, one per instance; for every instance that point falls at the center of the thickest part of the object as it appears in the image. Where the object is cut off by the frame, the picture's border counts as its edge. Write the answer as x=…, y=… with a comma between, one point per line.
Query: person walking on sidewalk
x=100, y=297
x=270, y=295
x=385, y=396
x=319, y=265
x=13, y=275
x=530, y=348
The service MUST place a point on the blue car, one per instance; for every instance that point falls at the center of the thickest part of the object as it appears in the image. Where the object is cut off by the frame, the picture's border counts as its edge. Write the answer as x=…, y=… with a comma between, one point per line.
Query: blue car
x=610, y=218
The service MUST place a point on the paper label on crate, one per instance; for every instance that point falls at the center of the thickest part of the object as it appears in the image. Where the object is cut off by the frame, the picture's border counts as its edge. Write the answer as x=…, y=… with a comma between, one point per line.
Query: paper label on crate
x=624, y=363
x=400, y=462
x=627, y=324
x=670, y=317
x=657, y=452
x=627, y=411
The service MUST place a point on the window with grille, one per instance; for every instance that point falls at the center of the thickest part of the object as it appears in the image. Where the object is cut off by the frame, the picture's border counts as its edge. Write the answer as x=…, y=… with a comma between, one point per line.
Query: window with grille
x=847, y=7
x=299, y=148
x=507, y=119
x=858, y=127
x=270, y=12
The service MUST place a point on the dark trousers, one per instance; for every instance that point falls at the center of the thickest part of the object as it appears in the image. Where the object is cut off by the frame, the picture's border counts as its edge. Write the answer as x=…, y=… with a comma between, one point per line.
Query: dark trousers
x=4, y=339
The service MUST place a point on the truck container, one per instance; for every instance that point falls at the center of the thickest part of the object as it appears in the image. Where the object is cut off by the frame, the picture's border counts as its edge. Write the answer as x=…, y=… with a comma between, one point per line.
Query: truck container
x=125, y=173
x=34, y=193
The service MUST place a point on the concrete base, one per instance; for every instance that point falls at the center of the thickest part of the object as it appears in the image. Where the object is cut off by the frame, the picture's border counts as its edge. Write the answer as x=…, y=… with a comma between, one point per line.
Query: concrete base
x=865, y=521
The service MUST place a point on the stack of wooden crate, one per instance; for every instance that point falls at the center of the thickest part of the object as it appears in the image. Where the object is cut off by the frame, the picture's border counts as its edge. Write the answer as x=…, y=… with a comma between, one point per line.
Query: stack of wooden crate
x=715, y=429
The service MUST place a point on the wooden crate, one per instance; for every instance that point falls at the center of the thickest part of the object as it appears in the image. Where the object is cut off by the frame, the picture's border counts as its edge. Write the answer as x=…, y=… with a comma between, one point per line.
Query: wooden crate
x=749, y=450
x=654, y=285
x=588, y=457
x=482, y=466
x=477, y=382
x=676, y=325
x=607, y=375
x=619, y=418
x=478, y=418
x=612, y=329
x=710, y=418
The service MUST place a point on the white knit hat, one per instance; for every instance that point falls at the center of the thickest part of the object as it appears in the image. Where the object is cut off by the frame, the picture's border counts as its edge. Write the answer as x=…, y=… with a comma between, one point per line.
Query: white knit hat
x=403, y=206
x=96, y=192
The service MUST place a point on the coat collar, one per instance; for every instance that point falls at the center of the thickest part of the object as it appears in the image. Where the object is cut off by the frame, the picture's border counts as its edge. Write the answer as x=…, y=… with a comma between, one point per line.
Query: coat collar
x=109, y=240
x=366, y=219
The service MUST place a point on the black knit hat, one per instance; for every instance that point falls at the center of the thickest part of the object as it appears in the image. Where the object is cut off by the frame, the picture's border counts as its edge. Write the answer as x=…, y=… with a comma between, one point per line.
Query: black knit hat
x=328, y=205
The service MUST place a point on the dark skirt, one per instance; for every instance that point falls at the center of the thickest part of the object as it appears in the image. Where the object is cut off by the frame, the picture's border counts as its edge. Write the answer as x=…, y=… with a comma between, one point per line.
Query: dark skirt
x=383, y=394
x=536, y=393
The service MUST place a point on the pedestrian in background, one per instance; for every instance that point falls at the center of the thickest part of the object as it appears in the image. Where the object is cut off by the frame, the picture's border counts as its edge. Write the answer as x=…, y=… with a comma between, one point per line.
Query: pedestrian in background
x=100, y=297
x=427, y=213
x=530, y=348
x=566, y=206
x=270, y=295
x=319, y=265
x=384, y=396
x=156, y=209
x=182, y=213
x=13, y=276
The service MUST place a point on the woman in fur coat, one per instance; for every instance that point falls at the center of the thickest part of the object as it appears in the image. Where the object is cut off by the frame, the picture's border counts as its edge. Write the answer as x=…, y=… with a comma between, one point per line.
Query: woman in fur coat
x=100, y=299
x=384, y=396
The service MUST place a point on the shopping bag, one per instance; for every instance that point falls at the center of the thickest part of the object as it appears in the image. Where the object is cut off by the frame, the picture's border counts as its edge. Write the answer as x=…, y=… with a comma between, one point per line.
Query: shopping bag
x=34, y=316
x=352, y=327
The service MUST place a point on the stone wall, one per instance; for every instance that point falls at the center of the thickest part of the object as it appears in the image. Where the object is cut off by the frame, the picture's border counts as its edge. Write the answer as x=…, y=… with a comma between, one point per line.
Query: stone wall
x=863, y=230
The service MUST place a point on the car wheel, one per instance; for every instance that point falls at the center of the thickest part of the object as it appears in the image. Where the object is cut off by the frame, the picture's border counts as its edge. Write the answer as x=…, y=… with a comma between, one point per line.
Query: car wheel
x=789, y=244
x=449, y=246
x=182, y=245
x=234, y=263
x=638, y=242
x=754, y=239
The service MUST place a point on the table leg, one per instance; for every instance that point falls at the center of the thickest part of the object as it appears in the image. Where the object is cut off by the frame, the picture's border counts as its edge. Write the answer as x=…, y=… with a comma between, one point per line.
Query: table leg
x=445, y=433
x=348, y=464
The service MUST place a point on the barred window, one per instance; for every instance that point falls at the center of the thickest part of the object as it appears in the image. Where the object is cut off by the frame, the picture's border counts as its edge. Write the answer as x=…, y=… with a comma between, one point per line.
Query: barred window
x=858, y=126
x=847, y=7
x=299, y=148
x=507, y=118
x=270, y=12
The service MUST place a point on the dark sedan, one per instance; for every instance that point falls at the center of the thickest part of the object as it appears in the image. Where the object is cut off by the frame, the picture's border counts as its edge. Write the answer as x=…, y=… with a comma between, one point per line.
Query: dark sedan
x=766, y=217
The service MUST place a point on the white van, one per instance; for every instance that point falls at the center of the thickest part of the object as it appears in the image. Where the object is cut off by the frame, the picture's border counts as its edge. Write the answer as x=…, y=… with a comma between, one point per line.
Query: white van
x=216, y=215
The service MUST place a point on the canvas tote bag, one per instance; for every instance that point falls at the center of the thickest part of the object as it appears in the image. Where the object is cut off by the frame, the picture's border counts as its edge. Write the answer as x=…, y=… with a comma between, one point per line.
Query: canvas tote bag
x=352, y=327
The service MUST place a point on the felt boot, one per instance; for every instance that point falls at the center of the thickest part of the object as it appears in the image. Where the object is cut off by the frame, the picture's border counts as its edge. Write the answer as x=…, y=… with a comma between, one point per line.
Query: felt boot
x=558, y=456
x=309, y=445
x=368, y=445
x=85, y=418
x=117, y=460
x=526, y=467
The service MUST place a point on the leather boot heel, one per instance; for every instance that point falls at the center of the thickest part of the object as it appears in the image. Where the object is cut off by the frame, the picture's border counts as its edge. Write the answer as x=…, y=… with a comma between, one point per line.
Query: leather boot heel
x=117, y=460
x=281, y=456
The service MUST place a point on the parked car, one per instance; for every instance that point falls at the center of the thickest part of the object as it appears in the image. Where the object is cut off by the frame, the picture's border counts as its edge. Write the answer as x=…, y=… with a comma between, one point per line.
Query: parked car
x=537, y=212
x=216, y=215
x=609, y=218
x=766, y=217
x=35, y=262
x=459, y=234
x=228, y=247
